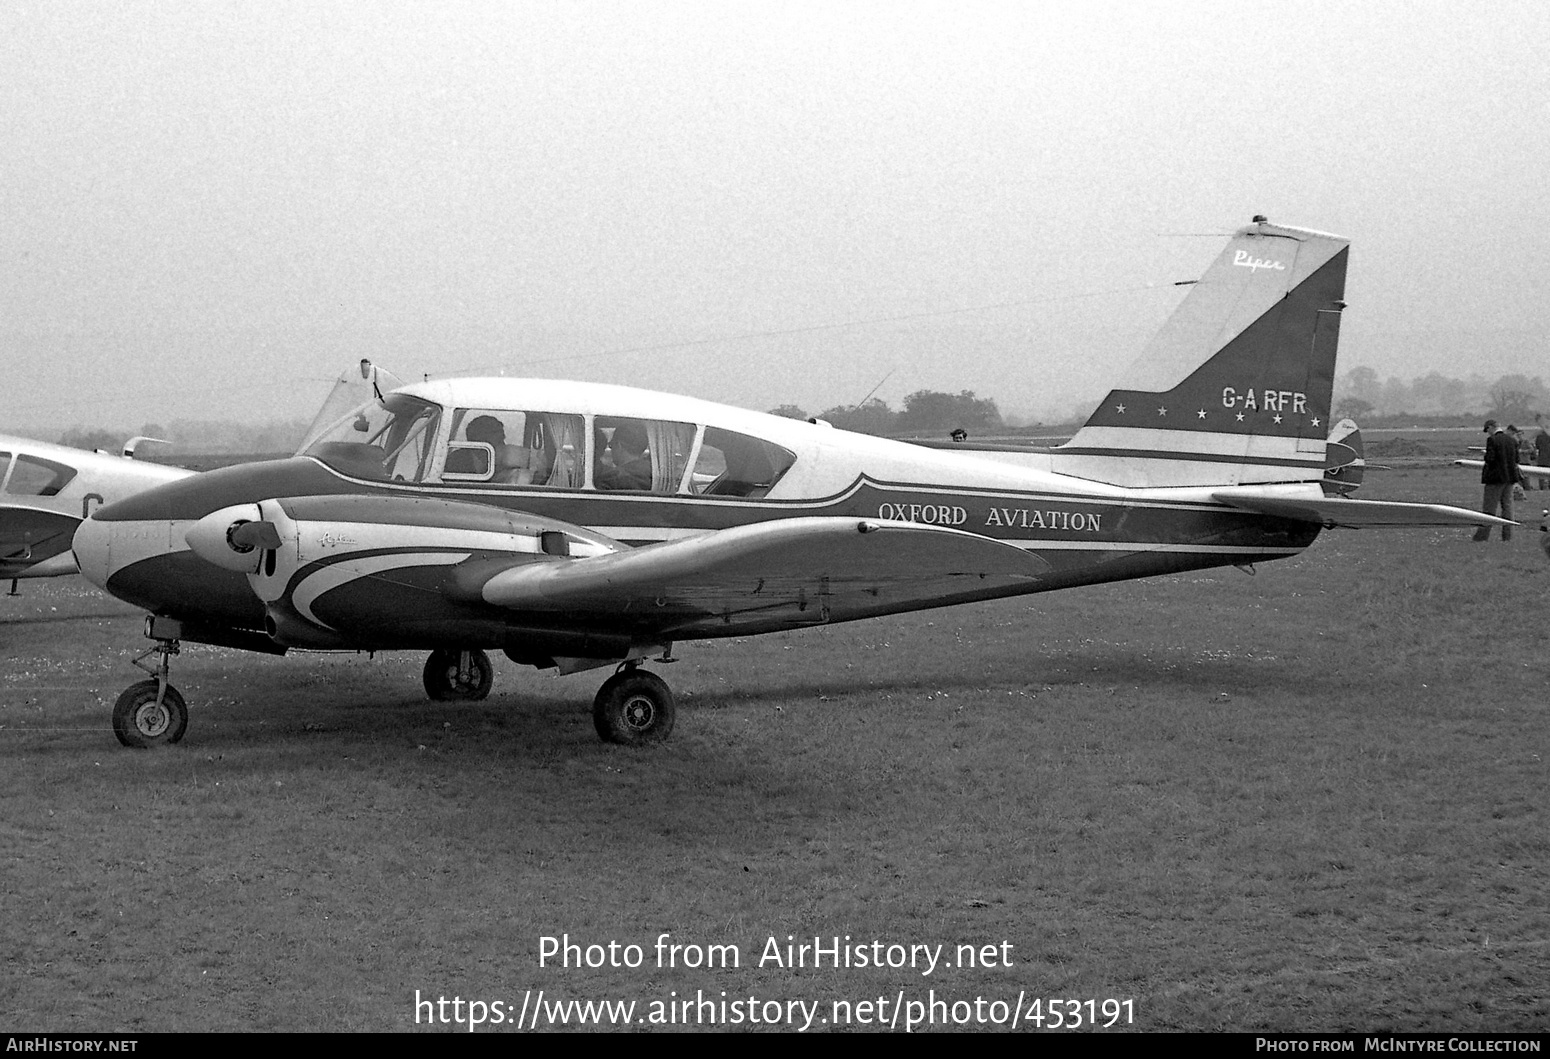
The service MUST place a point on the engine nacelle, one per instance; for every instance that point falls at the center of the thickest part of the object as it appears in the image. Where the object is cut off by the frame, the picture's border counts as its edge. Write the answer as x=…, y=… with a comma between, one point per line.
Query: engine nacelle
x=372, y=571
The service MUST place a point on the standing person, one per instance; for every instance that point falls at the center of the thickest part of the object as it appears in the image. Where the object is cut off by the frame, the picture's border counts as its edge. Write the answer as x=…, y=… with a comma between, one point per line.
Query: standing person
x=1498, y=477
x=1517, y=438
x=1542, y=454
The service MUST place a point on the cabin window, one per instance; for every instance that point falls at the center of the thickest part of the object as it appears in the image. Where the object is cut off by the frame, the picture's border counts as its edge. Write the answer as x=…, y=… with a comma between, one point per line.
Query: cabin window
x=33, y=476
x=730, y=464
x=389, y=438
x=640, y=455
x=505, y=447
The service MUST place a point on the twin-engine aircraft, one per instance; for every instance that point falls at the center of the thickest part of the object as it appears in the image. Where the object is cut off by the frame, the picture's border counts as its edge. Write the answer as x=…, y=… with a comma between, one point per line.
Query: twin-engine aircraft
x=573, y=525
x=46, y=491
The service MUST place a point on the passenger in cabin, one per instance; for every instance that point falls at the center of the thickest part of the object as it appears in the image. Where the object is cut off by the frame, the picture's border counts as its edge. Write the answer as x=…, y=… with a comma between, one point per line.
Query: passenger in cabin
x=630, y=464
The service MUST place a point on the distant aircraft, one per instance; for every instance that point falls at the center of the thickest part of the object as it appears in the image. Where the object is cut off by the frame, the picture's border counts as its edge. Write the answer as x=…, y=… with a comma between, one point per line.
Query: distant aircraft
x=47, y=490
x=575, y=525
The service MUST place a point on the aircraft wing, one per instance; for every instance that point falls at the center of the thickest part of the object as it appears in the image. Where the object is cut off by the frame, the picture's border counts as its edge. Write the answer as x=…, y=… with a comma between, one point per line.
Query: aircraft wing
x=1352, y=514
x=769, y=575
x=1527, y=469
x=24, y=528
x=31, y=536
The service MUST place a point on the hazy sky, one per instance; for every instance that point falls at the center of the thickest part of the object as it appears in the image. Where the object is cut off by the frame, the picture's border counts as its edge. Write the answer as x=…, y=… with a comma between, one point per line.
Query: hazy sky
x=214, y=208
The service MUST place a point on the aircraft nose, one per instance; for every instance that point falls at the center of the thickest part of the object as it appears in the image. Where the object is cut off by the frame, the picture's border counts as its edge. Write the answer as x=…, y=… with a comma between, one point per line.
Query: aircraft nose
x=92, y=552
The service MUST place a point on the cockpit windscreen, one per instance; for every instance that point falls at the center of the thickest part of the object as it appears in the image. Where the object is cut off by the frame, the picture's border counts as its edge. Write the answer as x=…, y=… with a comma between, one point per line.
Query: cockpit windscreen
x=388, y=438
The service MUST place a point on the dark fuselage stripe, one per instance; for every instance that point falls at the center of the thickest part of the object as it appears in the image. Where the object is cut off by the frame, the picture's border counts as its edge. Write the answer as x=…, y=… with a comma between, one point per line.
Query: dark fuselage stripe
x=1312, y=463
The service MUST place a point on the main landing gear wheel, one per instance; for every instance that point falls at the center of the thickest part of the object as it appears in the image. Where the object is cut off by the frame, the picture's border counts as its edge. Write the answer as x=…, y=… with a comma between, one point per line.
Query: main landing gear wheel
x=465, y=675
x=633, y=707
x=140, y=721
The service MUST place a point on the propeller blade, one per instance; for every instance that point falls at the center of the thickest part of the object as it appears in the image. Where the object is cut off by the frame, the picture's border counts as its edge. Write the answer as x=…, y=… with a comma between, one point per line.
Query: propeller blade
x=255, y=535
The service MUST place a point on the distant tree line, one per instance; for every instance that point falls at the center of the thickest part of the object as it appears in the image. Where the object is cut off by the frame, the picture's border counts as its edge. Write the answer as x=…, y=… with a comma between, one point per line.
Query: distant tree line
x=924, y=412
x=1359, y=394
x=197, y=436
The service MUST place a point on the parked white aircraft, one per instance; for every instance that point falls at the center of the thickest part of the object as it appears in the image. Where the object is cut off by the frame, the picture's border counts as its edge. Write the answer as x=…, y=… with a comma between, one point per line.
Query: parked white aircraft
x=47, y=490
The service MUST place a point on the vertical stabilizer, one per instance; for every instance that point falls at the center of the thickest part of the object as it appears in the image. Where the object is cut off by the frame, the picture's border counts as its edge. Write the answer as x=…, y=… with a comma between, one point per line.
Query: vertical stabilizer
x=1235, y=389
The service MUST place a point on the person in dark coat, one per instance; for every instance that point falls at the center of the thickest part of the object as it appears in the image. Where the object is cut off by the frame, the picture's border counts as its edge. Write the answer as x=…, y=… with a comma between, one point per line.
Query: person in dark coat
x=1498, y=477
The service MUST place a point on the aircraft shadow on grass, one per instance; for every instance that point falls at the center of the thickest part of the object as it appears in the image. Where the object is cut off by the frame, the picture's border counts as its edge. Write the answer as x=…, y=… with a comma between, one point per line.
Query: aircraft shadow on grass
x=68, y=619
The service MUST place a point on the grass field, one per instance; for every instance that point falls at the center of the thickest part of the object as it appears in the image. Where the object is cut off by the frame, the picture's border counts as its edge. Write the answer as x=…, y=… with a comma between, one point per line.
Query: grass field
x=1310, y=799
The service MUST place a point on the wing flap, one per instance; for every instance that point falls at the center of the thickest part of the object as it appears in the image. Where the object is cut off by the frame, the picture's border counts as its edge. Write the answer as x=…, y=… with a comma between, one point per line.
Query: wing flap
x=1353, y=514
x=781, y=573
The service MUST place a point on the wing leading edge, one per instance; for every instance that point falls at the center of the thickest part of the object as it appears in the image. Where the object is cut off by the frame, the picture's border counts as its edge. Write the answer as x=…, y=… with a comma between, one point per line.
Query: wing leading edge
x=768, y=575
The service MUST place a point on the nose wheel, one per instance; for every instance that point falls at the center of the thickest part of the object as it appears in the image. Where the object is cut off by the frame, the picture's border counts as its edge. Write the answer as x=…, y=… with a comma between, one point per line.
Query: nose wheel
x=633, y=707
x=151, y=713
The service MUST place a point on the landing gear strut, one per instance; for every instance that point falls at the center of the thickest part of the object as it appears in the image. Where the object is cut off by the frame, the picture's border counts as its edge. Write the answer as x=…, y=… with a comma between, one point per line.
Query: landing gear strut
x=633, y=707
x=451, y=675
x=151, y=713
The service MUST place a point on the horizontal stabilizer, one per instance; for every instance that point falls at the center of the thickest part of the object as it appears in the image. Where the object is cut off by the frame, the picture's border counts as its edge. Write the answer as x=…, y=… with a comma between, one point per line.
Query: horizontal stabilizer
x=1353, y=514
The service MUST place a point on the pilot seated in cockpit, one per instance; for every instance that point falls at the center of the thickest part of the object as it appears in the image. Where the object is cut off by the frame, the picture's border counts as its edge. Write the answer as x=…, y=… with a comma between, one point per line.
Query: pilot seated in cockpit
x=514, y=464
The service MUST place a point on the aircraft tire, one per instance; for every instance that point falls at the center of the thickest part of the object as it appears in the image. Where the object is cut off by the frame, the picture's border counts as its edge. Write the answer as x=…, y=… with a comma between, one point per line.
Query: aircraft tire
x=139, y=722
x=633, y=708
x=441, y=677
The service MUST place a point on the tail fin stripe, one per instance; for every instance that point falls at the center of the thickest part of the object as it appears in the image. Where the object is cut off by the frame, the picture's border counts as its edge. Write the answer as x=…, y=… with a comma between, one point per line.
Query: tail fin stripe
x=1239, y=460
x=1162, y=442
